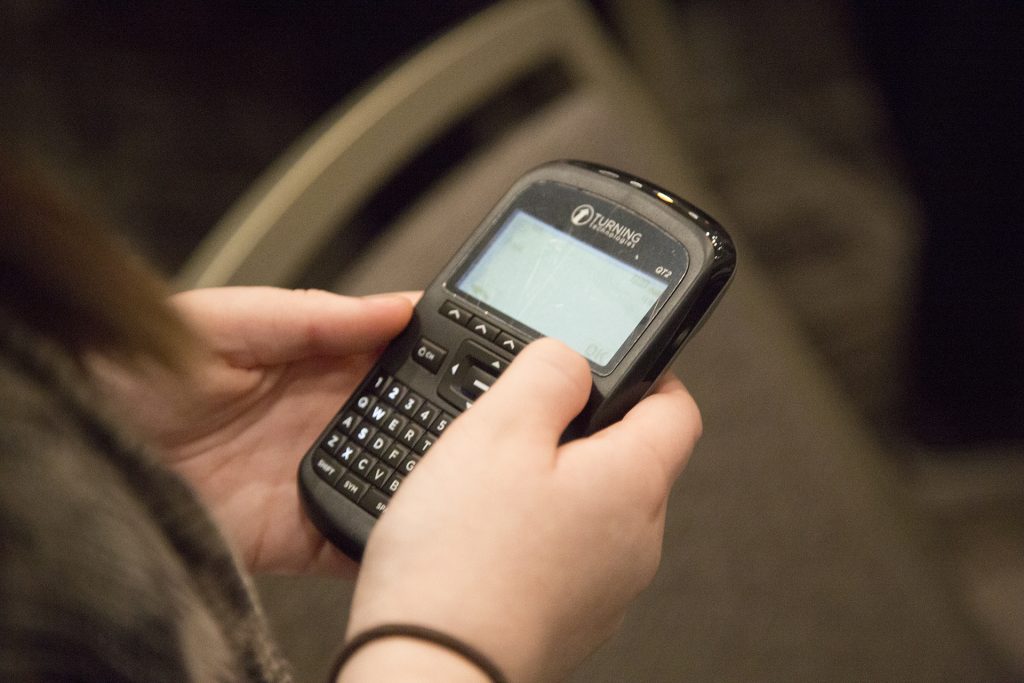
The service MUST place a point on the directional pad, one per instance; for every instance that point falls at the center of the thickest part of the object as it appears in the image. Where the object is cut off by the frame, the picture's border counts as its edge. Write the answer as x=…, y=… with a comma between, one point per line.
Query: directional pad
x=472, y=372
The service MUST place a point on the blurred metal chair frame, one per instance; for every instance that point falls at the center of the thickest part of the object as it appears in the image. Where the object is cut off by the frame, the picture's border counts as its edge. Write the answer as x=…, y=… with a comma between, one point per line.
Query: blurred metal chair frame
x=306, y=198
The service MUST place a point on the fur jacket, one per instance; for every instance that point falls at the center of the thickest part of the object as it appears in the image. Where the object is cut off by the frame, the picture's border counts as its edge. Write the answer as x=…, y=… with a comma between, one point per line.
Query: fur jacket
x=110, y=569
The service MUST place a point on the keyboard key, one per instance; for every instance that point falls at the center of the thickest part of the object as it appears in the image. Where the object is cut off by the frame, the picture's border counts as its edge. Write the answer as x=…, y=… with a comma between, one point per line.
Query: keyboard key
x=352, y=486
x=363, y=465
x=411, y=435
x=348, y=422
x=410, y=404
x=378, y=444
x=332, y=442
x=348, y=454
x=380, y=381
x=427, y=414
x=409, y=464
x=394, y=425
x=395, y=393
x=364, y=402
x=379, y=475
x=326, y=467
x=378, y=414
x=393, y=483
x=394, y=456
x=363, y=434
x=374, y=502
x=441, y=423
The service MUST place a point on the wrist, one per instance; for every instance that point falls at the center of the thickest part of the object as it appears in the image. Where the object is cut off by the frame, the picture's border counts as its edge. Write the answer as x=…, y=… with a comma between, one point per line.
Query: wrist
x=401, y=658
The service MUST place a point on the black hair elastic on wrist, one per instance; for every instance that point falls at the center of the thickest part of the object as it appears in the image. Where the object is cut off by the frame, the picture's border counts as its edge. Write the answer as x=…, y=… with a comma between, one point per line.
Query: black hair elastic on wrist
x=430, y=635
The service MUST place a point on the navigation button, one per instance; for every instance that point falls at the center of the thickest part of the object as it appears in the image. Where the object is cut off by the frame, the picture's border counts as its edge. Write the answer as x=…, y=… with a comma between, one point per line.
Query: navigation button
x=454, y=313
x=509, y=343
x=476, y=383
x=473, y=371
x=483, y=328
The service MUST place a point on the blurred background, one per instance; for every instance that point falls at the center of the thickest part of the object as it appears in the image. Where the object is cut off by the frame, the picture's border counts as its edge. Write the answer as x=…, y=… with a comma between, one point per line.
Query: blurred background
x=856, y=510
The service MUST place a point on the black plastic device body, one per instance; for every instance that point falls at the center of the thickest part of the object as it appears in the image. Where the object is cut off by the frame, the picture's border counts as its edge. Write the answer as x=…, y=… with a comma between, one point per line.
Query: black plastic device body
x=618, y=268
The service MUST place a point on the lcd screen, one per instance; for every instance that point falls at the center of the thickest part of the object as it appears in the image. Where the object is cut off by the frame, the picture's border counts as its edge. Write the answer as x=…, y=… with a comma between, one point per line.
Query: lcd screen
x=561, y=287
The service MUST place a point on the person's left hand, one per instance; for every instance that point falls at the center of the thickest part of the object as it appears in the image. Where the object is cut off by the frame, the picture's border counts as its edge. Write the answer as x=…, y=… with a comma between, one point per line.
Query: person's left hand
x=279, y=364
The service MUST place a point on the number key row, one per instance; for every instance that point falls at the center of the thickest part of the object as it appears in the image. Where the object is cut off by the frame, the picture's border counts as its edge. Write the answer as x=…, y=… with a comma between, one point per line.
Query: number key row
x=394, y=414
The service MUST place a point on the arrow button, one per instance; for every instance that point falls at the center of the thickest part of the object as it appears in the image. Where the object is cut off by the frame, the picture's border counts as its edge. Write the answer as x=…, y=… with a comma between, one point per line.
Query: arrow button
x=454, y=313
x=509, y=343
x=483, y=328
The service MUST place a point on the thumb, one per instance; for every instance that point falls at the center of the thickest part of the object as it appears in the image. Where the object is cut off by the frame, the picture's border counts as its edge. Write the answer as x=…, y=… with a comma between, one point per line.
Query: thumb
x=253, y=326
x=543, y=389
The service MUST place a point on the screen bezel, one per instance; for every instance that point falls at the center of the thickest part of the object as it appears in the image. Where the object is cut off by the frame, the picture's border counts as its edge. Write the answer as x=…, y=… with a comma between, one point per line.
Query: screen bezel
x=656, y=252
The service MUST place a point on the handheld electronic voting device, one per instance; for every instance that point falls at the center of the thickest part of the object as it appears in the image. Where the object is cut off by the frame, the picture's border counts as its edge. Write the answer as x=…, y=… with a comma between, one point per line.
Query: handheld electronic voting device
x=619, y=269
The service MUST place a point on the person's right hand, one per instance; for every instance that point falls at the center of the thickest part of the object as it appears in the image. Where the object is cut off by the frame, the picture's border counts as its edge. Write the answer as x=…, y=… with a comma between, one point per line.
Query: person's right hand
x=525, y=549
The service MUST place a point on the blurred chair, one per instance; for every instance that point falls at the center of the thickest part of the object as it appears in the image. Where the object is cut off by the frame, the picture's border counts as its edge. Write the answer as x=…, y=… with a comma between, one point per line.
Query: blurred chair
x=524, y=83
x=787, y=555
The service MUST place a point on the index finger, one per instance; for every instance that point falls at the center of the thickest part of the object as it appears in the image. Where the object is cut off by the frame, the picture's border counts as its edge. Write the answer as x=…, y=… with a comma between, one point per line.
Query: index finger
x=266, y=325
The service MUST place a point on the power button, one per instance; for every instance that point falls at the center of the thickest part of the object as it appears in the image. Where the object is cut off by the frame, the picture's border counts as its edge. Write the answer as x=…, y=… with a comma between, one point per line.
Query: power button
x=428, y=354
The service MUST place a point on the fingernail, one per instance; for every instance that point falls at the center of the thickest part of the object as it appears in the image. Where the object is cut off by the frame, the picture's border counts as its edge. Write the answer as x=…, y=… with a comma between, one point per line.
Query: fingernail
x=386, y=298
x=410, y=297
